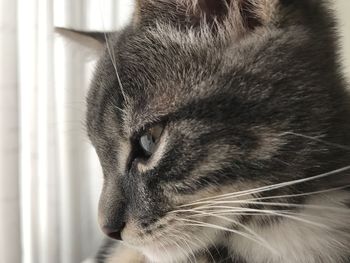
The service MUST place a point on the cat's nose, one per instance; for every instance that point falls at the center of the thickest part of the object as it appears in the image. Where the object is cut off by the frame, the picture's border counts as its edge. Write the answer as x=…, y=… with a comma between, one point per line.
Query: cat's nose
x=114, y=232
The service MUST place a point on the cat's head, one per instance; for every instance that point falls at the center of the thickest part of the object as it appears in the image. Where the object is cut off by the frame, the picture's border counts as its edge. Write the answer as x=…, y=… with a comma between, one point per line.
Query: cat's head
x=195, y=103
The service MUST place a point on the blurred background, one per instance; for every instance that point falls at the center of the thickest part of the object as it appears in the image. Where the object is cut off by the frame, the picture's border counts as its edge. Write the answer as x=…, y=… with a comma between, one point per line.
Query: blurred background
x=49, y=174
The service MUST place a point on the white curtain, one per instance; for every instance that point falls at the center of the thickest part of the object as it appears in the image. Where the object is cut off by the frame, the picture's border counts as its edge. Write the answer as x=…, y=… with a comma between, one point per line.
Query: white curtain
x=10, y=241
x=49, y=175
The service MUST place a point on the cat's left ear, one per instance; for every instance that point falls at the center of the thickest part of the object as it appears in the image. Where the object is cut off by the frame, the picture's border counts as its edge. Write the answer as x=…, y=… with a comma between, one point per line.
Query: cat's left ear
x=93, y=41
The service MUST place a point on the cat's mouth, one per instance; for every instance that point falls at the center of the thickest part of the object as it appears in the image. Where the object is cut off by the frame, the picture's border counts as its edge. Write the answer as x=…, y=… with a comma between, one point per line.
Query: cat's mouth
x=163, y=245
x=175, y=244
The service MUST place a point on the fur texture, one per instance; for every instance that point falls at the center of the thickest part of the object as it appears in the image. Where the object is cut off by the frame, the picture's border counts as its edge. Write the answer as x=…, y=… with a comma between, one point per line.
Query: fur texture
x=253, y=163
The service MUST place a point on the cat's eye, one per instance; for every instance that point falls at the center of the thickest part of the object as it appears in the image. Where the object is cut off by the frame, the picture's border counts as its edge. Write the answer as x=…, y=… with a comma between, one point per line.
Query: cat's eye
x=150, y=138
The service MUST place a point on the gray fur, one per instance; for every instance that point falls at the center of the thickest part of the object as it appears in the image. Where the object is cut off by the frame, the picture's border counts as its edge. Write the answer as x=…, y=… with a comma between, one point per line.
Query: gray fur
x=250, y=95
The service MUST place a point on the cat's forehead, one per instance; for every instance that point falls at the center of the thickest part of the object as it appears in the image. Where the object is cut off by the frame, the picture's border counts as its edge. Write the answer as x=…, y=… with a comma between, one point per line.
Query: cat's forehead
x=156, y=59
x=163, y=102
x=164, y=69
x=160, y=74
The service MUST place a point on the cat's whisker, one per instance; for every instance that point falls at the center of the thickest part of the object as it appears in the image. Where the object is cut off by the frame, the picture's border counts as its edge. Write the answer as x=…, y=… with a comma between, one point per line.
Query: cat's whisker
x=239, y=211
x=112, y=56
x=187, y=240
x=178, y=244
x=113, y=60
x=246, y=211
x=191, y=252
x=278, y=204
x=164, y=246
x=203, y=224
x=265, y=211
x=207, y=250
x=185, y=235
x=238, y=224
x=215, y=208
x=204, y=246
x=278, y=213
x=272, y=197
x=288, y=214
x=317, y=140
x=203, y=243
x=227, y=212
x=212, y=243
x=303, y=194
x=273, y=186
x=191, y=222
x=188, y=254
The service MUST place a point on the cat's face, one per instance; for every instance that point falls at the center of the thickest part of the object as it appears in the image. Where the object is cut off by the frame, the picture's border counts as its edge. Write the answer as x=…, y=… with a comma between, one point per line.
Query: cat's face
x=197, y=115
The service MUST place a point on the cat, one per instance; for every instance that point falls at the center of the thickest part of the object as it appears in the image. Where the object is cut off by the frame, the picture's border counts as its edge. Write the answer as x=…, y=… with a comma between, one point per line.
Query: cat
x=222, y=128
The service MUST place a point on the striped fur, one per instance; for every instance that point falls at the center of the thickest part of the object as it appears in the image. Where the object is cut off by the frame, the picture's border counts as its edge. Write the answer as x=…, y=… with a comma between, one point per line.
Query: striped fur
x=253, y=163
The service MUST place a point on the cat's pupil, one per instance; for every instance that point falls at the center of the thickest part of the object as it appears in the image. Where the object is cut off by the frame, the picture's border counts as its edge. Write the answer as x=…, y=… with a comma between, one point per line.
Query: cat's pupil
x=150, y=138
x=148, y=143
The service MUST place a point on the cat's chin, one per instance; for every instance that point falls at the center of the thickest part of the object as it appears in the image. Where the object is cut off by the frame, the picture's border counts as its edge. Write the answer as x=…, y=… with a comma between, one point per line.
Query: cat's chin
x=165, y=253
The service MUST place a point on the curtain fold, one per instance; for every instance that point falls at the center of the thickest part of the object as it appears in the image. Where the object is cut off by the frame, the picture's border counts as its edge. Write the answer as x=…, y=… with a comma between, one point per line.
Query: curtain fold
x=49, y=174
x=10, y=242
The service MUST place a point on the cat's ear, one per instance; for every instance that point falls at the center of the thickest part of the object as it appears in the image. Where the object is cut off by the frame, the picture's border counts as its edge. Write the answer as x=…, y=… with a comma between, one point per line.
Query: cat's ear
x=93, y=41
x=241, y=15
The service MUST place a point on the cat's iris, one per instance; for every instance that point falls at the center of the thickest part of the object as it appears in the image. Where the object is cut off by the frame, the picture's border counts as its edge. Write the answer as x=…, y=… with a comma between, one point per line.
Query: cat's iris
x=149, y=140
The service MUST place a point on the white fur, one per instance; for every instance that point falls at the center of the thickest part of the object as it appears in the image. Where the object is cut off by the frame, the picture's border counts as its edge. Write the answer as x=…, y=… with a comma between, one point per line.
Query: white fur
x=326, y=240
x=299, y=242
